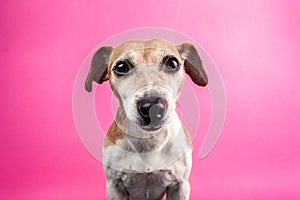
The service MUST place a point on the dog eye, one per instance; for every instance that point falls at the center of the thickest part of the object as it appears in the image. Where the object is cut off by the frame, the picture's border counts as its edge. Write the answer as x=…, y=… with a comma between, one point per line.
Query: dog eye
x=170, y=64
x=122, y=67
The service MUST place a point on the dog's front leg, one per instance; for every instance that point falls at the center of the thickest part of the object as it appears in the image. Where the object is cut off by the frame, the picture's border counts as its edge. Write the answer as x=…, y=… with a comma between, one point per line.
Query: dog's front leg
x=179, y=191
x=115, y=190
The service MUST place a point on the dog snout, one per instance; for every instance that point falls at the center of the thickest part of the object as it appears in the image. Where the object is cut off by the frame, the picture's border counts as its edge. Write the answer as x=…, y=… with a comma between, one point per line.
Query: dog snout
x=152, y=110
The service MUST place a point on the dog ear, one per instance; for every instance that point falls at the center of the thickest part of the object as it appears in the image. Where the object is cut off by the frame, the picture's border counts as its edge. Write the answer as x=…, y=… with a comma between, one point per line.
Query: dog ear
x=193, y=64
x=99, y=65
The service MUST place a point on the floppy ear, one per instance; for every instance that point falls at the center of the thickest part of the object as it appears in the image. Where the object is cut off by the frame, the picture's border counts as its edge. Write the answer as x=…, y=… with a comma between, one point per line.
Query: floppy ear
x=98, y=70
x=193, y=64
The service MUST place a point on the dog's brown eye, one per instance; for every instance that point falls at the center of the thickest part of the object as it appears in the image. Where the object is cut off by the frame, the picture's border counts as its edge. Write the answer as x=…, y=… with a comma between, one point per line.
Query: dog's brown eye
x=170, y=64
x=122, y=67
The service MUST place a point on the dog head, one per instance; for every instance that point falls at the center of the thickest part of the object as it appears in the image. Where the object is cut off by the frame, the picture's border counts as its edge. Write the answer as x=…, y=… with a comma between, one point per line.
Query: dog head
x=146, y=77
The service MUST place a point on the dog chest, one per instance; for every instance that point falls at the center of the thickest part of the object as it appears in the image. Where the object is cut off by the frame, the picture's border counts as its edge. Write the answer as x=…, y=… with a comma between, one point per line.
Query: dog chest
x=152, y=185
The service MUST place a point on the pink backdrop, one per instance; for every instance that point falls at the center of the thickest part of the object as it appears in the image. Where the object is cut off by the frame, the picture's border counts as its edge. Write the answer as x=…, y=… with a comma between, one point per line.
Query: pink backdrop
x=255, y=45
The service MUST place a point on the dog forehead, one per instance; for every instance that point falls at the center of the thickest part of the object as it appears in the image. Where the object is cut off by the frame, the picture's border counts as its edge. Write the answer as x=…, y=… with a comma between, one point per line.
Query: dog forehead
x=144, y=48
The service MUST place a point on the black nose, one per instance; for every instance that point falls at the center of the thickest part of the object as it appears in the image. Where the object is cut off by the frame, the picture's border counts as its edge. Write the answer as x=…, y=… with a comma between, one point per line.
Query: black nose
x=151, y=110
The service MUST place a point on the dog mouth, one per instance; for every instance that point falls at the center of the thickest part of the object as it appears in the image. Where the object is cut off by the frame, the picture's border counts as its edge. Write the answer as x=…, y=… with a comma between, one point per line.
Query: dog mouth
x=151, y=128
x=152, y=123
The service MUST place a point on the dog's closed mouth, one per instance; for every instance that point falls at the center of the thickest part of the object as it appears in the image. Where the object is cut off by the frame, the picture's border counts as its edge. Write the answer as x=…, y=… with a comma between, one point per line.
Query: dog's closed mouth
x=151, y=128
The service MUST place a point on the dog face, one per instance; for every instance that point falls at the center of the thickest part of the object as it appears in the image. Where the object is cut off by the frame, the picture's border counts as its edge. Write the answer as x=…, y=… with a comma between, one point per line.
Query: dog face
x=147, y=77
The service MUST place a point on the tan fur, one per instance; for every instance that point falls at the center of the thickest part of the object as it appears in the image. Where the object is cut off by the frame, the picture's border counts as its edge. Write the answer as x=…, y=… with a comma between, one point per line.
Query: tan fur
x=113, y=134
x=147, y=50
x=187, y=137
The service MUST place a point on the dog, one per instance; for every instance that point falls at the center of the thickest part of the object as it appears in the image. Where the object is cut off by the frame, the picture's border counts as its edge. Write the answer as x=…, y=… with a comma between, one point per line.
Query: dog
x=147, y=152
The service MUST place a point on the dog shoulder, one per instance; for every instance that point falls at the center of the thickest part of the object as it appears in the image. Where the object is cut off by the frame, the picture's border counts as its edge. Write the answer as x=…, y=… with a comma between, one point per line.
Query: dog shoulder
x=113, y=134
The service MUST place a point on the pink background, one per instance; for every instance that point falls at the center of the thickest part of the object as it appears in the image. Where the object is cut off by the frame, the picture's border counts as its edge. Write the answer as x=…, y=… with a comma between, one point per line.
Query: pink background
x=255, y=45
